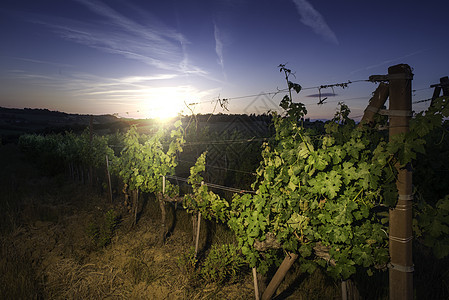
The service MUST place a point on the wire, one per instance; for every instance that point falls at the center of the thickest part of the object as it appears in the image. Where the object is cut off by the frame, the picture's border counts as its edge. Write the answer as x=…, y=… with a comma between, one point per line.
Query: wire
x=216, y=167
x=421, y=101
x=212, y=185
x=343, y=85
x=239, y=97
x=422, y=89
x=220, y=142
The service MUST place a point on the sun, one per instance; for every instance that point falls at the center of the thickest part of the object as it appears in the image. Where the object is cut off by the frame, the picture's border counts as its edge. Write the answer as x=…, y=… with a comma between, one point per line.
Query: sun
x=165, y=103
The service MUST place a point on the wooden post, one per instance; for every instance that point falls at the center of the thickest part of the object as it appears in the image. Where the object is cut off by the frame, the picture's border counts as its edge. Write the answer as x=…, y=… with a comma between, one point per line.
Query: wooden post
x=197, y=233
x=135, y=194
x=198, y=223
x=194, y=225
x=109, y=178
x=256, y=285
x=400, y=237
x=375, y=103
x=161, y=198
x=91, y=169
x=444, y=82
x=443, y=85
x=344, y=290
x=279, y=276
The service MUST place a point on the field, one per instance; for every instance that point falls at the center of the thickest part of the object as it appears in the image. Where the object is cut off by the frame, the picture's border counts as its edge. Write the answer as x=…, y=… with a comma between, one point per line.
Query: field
x=62, y=238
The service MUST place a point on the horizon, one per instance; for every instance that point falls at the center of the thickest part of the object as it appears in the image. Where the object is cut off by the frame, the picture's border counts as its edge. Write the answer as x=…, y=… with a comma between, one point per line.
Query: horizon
x=152, y=119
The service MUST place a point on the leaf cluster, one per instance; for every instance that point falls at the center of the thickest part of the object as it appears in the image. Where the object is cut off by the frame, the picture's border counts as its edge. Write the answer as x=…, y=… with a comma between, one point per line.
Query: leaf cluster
x=143, y=160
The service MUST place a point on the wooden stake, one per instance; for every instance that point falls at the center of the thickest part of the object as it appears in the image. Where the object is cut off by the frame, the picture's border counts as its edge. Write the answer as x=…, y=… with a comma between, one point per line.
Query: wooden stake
x=197, y=234
x=161, y=199
x=198, y=230
x=444, y=82
x=375, y=103
x=109, y=178
x=91, y=169
x=256, y=285
x=136, y=202
x=443, y=85
x=344, y=290
x=279, y=276
x=400, y=236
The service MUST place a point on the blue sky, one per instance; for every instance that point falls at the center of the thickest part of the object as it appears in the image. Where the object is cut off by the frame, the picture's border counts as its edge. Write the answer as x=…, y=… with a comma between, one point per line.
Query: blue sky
x=144, y=59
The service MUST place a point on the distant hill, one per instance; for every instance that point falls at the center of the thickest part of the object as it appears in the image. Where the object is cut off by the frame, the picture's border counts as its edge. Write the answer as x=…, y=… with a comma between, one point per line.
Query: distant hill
x=14, y=122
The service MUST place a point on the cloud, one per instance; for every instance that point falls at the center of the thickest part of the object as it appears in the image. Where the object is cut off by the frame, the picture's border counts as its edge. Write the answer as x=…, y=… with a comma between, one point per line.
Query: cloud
x=312, y=18
x=388, y=61
x=146, y=40
x=39, y=61
x=322, y=95
x=218, y=46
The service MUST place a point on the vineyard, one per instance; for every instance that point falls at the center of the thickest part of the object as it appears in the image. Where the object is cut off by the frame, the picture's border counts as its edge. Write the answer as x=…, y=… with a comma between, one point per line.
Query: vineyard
x=319, y=199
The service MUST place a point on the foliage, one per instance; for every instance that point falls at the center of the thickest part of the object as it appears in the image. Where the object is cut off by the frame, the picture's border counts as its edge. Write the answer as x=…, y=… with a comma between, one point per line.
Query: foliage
x=143, y=160
x=318, y=190
x=101, y=233
x=188, y=261
x=224, y=263
x=431, y=226
x=211, y=205
x=54, y=151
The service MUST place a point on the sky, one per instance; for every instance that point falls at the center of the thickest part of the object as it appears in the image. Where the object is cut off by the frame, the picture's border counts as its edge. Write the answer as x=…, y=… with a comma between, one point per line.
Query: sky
x=152, y=59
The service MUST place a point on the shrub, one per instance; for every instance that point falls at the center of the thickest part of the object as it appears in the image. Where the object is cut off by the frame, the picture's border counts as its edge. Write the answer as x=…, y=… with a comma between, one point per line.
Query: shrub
x=101, y=234
x=223, y=263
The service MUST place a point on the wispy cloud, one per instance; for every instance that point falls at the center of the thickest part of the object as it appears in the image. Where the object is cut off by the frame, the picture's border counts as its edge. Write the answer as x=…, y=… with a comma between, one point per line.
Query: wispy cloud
x=388, y=61
x=312, y=18
x=39, y=61
x=218, y=46
x=148, y=40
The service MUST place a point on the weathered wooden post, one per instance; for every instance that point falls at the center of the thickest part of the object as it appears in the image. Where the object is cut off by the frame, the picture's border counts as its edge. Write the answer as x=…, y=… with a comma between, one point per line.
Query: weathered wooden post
x=256, y=284
x=198, y=224
x=91, y=135
x=375, y=103
x=279, y=275
x=161, y=199
x=443, y=85
x=444, y=82
x=109, y=178
x=400, y=237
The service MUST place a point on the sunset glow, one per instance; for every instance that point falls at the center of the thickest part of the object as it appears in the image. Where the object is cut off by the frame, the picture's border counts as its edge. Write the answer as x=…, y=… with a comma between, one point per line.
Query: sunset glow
x=164, y=103
x=143, y=59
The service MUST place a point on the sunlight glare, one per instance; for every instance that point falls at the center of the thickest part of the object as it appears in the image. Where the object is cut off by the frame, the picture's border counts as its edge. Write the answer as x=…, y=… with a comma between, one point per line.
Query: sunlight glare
x=165, y=103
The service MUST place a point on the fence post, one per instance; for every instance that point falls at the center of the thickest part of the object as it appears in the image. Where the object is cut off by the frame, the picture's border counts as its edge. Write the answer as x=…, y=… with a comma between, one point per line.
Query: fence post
x=400, y=237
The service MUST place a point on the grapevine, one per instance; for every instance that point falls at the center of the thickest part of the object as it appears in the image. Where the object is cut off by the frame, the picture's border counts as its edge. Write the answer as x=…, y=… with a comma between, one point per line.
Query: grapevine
x=323, y=191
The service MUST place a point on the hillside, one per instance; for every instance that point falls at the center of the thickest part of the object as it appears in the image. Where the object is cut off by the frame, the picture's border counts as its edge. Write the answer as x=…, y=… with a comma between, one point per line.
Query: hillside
x=14, y=122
